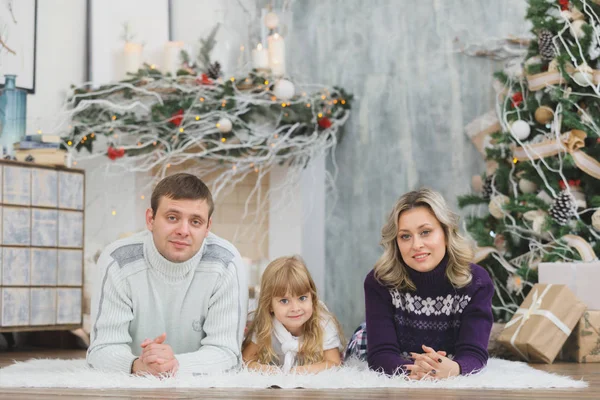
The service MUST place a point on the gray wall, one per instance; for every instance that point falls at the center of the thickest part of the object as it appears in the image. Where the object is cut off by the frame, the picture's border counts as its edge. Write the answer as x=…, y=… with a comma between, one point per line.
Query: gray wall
x=413, y=96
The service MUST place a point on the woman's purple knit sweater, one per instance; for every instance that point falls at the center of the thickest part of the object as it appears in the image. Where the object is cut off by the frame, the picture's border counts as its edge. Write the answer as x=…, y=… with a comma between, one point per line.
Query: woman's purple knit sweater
x=437, y=315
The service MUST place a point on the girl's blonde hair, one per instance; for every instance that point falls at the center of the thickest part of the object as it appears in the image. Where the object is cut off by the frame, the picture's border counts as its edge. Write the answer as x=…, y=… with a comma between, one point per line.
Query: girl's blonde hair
x=288, y=276
x=390, y=269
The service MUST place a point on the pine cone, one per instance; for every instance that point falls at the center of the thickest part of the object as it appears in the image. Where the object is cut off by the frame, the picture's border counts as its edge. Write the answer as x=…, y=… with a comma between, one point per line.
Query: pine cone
x=545, y=45
x=487, y=188
x=563, y=208
x=214, y=70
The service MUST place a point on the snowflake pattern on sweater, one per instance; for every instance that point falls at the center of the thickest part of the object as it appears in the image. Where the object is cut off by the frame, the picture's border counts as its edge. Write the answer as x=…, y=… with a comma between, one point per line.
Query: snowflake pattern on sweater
x=450, y=304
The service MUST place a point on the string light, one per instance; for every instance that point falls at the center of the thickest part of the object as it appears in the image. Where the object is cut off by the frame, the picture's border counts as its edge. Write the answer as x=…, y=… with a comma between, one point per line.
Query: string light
x=323, y=97
x=273, y=98
x=114, y=212
x=241, y=48
x=115, y=136
x=181, y=130
x=142, y=197
x=232, y=79
x=234, y=167
x=197, y=118
x=39, y=131
x=266, y=82
x=335, y=101
x=343, y=101
x=168, y=165
x=114, y=117
x=69, y=143
x=515, y=160
x=276, y=136
x=201, y=99
x=223, y=140
x=308, y=105
x=282, y=104
x=92, y=134
x=152, y=66
x=320, y=115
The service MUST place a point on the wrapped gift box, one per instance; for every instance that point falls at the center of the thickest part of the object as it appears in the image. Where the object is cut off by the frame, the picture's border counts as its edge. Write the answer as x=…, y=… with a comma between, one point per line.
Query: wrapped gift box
x=581, y=277
x=542, y=324
x=584, y=343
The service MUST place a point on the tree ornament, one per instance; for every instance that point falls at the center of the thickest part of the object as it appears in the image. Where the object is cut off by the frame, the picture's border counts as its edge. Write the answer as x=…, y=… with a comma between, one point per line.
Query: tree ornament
x=177, y=117
x=545, y=45
x=520, y=129
x=563, y=208
x=324, y=123
x=271, y=20
x=576, y=29
x=487, y=189
x=284, y=89
x=537, y=219
x=214, y=70
x=596, y=220
x=544, y=114
x=514, y=284
x=527, y=187
x=224, y=125
x=564, y=5
x=113, y=153
x=517, y=99
x=576, y=191
x=496, y=204
x=583, y=75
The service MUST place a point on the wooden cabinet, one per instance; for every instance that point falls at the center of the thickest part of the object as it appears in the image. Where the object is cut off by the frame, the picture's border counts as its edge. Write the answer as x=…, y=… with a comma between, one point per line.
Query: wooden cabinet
x=41, y=247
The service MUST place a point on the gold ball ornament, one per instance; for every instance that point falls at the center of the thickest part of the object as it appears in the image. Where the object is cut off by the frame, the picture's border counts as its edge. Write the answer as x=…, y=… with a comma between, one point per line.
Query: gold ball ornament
x=596, y=220
x=496, y=204
x=544, y=114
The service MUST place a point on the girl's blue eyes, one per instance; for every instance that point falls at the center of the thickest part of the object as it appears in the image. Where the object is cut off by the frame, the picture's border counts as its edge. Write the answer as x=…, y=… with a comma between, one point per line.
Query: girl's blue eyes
x=301, y=298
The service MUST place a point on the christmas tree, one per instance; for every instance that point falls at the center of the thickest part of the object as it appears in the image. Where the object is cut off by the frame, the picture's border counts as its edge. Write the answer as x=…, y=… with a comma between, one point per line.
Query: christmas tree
x=542, y=180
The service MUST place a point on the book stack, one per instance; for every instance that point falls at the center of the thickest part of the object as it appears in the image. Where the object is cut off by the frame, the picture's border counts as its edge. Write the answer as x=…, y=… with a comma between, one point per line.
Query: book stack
x=40, y=149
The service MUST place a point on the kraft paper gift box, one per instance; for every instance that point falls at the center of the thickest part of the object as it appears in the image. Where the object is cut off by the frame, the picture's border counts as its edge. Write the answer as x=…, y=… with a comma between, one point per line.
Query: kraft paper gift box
x=543, y=322
x=584, y=343
x=581, y=277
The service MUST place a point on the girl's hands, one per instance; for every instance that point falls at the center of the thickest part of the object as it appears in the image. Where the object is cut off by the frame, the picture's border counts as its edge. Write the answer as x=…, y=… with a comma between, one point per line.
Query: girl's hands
x=432, y=364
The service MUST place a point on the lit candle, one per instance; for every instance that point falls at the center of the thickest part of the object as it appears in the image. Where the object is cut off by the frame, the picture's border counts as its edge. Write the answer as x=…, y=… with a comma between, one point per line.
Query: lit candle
x=260, y=57
x=277, y=54
x=173, y=57
x=133, y=57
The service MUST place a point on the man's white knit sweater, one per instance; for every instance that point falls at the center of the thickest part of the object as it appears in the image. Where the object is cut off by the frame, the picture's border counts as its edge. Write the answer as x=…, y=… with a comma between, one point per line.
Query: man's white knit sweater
x=201, y=304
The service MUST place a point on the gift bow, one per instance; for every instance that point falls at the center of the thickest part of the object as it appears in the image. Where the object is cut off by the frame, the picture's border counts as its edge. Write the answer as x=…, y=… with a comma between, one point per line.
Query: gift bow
x=572, y=142
x=523, y=314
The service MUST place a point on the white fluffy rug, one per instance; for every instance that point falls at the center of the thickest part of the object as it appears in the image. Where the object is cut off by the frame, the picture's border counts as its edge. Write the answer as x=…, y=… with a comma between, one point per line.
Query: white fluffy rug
x=499, y=374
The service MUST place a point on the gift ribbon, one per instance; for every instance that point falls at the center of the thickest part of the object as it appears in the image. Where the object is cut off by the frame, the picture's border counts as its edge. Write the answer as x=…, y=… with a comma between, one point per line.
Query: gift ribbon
x=585, y=250
x=571, y=142
x=522, y=315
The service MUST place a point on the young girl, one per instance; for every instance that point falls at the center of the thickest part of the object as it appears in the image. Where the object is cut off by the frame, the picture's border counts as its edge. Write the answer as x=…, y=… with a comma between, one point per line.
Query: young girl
x=423, y=298
x=291, y=328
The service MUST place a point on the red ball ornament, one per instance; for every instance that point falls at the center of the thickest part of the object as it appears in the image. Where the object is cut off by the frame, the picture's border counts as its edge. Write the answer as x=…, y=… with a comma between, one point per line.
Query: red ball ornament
x=517, y=99
x=113, y=153
x=177, y=118
x=324, y=123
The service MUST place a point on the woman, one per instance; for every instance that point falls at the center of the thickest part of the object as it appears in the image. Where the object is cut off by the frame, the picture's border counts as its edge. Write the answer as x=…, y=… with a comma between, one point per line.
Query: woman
x=428, y=308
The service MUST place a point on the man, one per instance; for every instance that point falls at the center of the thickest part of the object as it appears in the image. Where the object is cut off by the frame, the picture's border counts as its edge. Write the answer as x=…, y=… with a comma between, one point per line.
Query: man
x=173, y=298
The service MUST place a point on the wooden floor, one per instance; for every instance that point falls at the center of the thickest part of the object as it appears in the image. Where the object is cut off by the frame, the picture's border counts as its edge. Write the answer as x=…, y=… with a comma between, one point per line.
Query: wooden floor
x=589, y=372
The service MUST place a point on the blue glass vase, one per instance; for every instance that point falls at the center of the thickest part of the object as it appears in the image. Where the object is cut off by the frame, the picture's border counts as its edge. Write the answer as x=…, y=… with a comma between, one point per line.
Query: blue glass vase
x=13, y=108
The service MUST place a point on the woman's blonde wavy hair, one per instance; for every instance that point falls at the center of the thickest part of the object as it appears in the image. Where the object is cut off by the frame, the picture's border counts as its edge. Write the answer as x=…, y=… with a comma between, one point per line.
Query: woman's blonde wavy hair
x=288, y=276
x=391, y=270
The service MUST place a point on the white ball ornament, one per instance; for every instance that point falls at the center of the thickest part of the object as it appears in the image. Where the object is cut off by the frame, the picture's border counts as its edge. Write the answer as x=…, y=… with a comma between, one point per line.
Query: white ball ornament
x=496, y=203
x=527, y=187
x=520, y=129
x=576, y=29
x=284, y=89
x=583, y=76
x=271, y=20
x=224, y=125
x=596, y=220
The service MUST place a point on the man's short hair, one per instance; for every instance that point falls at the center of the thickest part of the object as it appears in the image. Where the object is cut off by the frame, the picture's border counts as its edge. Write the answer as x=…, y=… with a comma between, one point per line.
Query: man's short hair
x=181, y=186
